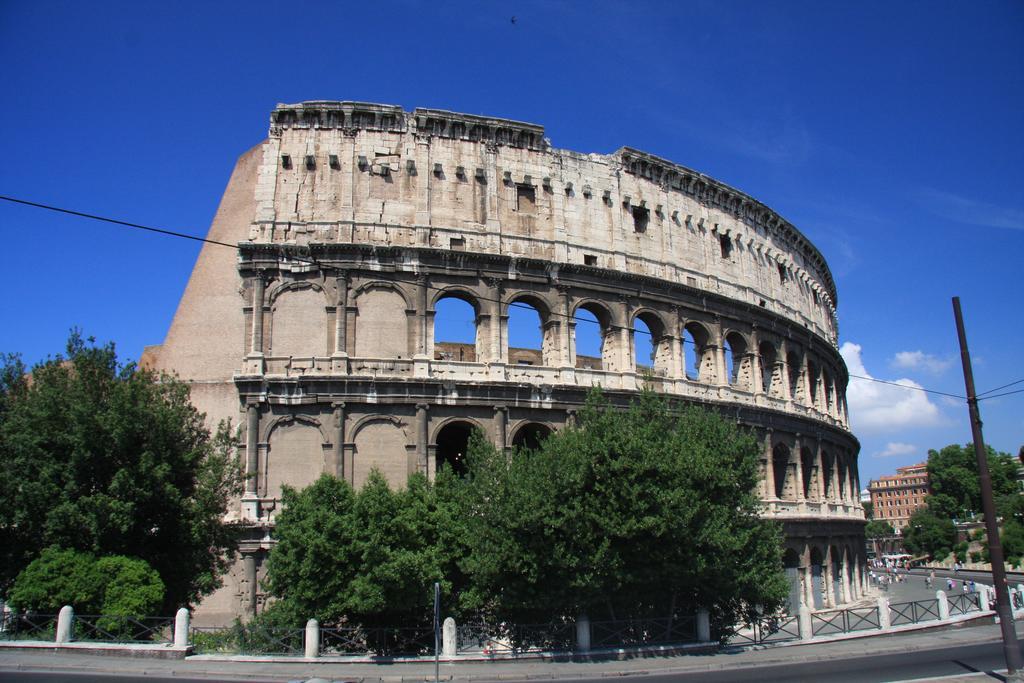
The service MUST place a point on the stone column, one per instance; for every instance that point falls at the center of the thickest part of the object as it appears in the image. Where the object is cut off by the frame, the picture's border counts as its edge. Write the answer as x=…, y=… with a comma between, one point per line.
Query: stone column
x=249, y=564
x=757, y=380
x=258, y=290
x=252, y=414
x=422, y=441
x=808, y=578
x=723, y=370
x=845, y=568
x=565, y=326
x=341, y=317
x=834, y=497
x=798, y=455
x=500, y=427
x=421, y=315
x=783, y=360
x=828, y=577
x=339, y=439
x=769, y=488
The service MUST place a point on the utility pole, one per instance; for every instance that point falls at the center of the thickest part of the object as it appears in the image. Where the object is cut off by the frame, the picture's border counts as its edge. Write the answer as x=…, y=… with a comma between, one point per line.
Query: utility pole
x=1011, y=651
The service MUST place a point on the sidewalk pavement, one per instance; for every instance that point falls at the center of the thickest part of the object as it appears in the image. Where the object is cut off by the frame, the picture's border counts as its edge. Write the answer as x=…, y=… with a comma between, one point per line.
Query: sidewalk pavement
x=257, y=670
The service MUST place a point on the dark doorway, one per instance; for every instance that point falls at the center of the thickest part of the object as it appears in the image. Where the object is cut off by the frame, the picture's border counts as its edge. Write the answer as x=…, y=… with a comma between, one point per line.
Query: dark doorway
x=452, y=444
x=531, y=435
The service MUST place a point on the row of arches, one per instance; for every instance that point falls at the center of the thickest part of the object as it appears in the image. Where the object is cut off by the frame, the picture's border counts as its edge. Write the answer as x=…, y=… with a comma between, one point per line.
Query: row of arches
x=825, y=574
x=400, y=320
x=801, y=473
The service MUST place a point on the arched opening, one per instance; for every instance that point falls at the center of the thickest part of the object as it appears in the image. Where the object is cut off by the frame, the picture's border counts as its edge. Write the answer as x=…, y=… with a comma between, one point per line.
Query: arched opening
x=780, y=467
x=791, y=566
x=591, y=338
x=643, y=346
x=698, y=356
x=737, y=363
x=452, y=446
x=530, y=338
x=652, y=350
x=817, y=579
x=794, y=365
x=837, y=575
x=807, y=466
x=768, y=360
x=530, y=436
x=813, y=381
x=841, y=469
x=826, y=464
x=455, y=330
x=826, y=386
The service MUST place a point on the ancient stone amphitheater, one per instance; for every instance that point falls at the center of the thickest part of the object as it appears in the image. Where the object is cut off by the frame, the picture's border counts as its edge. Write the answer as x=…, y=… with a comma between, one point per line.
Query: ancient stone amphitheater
x=355, y=221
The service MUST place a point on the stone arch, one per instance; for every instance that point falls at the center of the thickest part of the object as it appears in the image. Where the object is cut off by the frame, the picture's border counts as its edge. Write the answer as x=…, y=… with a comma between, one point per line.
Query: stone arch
x=382, y=321
x=607, y=357
x=814, y=384
x=443, y=344
x=739, y=367
x=451, y=443
x=296, y=450
x=529, y=434
x=791, y=567
x=780, y=470
x=703, y=367
x=808, y=472
x=660, y=341
x=549, y=326
x=818, y=584
x=771, y=370
x=381, y=442
x=827, y=403
x=298, y=320
x=836, y=574
x=841, y=470
x=827, y=464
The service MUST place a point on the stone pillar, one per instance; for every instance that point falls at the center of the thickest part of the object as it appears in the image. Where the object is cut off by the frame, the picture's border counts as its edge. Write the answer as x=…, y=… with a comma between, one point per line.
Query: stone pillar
x=312, y=639
x=835, y=477
x=258, y=289
x=783, y=361
x=65, y=624
x=943, y=605
x=757, y=381
x=807, y=578
x=703, y=625
x=341, y=316
x=844, y=567
x=819, y=466
x=449, y=638
x=570, y=419
x=252, y=458
x=500, y=428
x=423, y=456
x=803, y=621
x=181, y=620
x=583, y=633
x=249, y=564
x=884, y=621
x=828, y=578
x=769, y=489
x=566, y=326
x=421, y=315
x=723, y=370
x=798, y=456
x=339, y=439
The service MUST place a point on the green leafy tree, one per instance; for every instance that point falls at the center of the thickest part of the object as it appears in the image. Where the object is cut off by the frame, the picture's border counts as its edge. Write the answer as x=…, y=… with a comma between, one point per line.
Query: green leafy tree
x=112, y=460
x=634, y=512
x=953, y=479
x=928, y=533
x=113, y=586
x=869, y=509
x=369, y=557
x=877, y=528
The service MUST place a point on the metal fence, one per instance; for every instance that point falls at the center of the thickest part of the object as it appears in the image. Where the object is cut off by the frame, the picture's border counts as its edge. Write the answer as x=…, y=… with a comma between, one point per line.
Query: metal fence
x=29, y=626
x=380, y=641
x=639, y=632
x=767, y=629
x=964, y=603
x=120, y=629
x=247, y=640
x=913, y=612
x=495, y=638
x=844, y=621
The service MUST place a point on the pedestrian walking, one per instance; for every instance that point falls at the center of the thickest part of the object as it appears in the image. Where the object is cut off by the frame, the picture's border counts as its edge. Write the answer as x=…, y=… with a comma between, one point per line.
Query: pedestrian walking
x=949, y=584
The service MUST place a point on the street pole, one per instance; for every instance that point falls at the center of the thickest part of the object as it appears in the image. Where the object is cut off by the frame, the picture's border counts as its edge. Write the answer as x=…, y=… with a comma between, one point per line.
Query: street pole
x=437, y=631
x=1011, y=651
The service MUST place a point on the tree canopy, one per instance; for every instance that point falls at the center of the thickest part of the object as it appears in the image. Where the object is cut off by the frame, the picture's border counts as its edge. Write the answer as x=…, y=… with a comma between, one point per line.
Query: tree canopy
x=878, y=528
x=647, y=511
x=108, y=459
x=928, y=533
x=953, y=479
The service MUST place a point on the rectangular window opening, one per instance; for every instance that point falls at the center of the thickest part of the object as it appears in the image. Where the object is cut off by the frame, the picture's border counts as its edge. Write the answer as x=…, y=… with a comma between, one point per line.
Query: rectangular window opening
x=641, y=216
x=526, y=198
x=726, y=246
x=457, y=243
x=589, y=260
x=782, y=274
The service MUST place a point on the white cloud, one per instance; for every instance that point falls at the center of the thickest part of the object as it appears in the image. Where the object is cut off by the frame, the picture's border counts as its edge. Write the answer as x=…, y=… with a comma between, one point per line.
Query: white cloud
x=879, y=408
x=919, y=360
x=894, y=448
x=965, y=210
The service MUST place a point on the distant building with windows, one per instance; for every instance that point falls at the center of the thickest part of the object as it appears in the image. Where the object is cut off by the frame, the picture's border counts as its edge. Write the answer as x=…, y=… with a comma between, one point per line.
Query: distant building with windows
x=896, y=497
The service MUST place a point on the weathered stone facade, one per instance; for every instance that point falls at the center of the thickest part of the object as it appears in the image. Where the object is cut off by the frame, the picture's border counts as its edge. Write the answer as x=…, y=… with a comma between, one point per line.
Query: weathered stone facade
x=354, y=220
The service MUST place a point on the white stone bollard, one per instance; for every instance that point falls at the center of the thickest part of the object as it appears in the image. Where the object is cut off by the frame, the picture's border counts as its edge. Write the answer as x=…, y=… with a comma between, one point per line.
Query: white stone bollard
x=803, y=622
x=983, y=598
x=64, y=624
x=884, y=619
x=449, y=638
x=181, y=620
x=312, y=639
x=703, y=626
x=583, y=633
x=943, y=605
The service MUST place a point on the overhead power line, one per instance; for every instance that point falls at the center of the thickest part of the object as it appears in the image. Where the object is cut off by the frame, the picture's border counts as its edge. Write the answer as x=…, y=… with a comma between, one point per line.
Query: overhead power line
x=516, y=304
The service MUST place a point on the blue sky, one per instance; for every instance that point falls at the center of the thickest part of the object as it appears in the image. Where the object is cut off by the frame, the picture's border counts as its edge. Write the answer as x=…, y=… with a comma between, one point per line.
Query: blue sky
x=889, y=133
